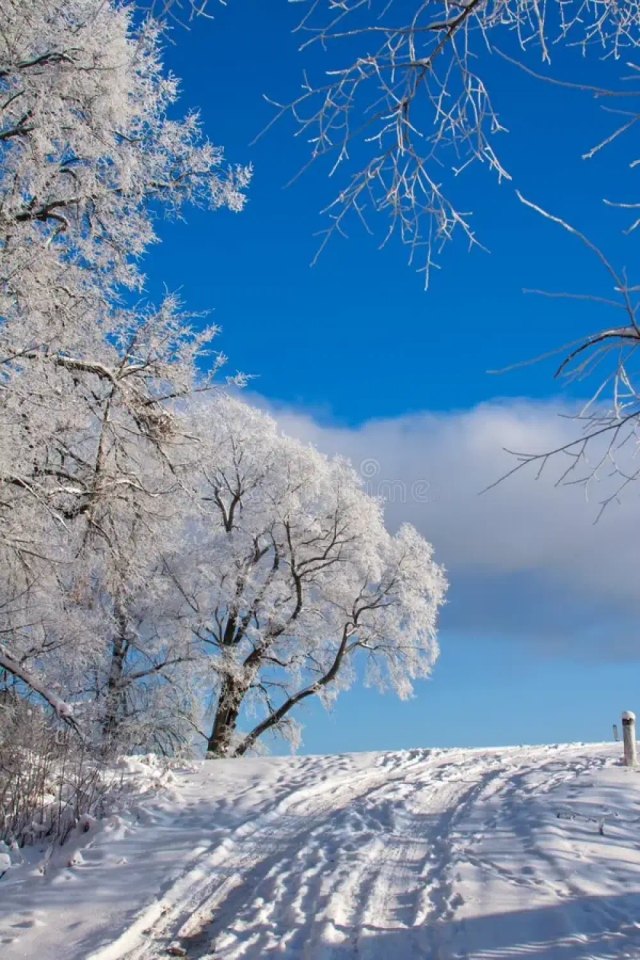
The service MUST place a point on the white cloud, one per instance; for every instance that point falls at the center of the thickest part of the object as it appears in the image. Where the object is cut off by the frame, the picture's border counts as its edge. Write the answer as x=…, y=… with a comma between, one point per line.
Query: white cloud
x=525, y=559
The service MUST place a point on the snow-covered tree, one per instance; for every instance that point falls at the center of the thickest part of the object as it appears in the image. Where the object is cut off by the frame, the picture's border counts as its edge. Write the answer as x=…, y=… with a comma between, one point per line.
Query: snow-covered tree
x=293, y=581
x=95, y=447
x=86, y=146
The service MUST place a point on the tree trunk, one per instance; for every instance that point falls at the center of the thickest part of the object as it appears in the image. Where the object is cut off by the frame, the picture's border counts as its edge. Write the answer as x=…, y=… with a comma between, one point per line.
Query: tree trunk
x=115, y=688
x=224, y=725
x=113, y=698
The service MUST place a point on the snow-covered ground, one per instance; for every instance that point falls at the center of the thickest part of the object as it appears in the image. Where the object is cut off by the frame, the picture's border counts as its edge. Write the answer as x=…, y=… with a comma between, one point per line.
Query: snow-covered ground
x=527, y=852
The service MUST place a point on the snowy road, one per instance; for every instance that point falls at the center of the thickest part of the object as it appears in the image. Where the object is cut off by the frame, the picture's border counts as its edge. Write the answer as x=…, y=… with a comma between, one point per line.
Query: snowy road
x=525, y=853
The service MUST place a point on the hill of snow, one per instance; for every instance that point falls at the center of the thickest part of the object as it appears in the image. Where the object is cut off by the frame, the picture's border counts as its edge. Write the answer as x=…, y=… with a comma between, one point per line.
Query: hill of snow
x=524, y=852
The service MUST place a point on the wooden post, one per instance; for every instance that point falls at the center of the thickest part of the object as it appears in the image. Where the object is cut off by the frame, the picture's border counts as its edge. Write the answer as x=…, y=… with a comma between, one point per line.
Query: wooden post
x=615, y=732
x=629, y=738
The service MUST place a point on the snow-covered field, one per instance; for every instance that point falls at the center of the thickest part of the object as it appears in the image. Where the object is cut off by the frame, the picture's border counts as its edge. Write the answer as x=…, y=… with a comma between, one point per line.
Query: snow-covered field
x=526, y=852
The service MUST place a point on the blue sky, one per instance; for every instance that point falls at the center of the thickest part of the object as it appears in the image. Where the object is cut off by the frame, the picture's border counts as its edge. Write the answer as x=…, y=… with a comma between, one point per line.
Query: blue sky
x=352, y=350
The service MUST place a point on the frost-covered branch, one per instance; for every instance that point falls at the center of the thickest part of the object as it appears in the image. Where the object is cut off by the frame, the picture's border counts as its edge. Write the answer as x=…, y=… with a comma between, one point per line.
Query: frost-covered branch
x=601, y=457
x=404, y=106
x=62, y=709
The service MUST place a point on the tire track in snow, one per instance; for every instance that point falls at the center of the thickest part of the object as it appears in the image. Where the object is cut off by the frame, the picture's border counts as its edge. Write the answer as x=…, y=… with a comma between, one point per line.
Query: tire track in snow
x=203, y=875
x=219, y=878
x=384, y=867
x=286, y=908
